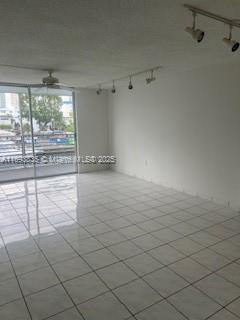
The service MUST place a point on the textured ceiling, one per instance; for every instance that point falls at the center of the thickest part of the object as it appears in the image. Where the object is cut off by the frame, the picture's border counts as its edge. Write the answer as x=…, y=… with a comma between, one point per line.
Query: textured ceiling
x=90, y=41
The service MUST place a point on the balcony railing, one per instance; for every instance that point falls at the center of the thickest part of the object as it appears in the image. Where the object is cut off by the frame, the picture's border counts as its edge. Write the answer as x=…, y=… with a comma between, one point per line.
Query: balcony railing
x=13, y=148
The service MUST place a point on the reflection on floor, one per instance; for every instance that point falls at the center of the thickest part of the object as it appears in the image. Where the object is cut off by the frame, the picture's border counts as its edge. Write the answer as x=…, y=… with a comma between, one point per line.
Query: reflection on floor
x=106, y=246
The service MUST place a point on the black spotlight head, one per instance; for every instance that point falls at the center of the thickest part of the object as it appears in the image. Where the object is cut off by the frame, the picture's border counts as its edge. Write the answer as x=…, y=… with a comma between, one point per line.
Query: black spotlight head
x=235, y=46
x=113, y=87
x=130, y=86
x=200, y=36
x=98, y=91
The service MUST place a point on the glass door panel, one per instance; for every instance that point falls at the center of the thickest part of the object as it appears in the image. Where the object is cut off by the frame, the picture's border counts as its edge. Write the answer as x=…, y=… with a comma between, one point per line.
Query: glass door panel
x=16, y=150
x=53, y=131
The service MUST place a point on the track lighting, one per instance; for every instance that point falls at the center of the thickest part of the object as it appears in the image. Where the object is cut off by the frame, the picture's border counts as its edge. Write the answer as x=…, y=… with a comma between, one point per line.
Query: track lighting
x=130, y=86
x=130, y=76
x=113, y=87
x=151, y=78
x=99, y=90
x=233, y=44
x=197, y=34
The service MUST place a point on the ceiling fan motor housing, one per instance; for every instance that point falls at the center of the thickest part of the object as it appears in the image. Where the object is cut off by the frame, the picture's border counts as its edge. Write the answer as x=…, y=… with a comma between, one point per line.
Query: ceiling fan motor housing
x=50, y=80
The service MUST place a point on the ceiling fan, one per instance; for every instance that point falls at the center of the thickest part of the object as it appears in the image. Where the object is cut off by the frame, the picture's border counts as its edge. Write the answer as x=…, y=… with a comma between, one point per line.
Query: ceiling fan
x=50, y=82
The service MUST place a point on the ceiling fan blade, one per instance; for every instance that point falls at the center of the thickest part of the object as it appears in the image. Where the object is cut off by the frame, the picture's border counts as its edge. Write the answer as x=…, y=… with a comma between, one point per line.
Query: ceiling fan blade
x=23, y=67
x=37, y=85
x=52, y=86
x=64, y=85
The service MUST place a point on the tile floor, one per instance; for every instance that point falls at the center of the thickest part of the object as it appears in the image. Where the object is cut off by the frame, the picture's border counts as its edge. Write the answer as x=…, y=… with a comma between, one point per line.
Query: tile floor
x=108, y=246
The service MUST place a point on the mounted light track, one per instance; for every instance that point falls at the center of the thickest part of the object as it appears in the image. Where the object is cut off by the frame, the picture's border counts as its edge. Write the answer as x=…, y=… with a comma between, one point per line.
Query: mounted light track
x=198, y=34
x=211, y=15
x=130, y=77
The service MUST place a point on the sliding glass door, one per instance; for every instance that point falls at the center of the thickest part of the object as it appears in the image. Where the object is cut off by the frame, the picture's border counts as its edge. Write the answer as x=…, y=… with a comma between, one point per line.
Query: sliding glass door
x=37, y=132
x=54, y=131
x=15, y=135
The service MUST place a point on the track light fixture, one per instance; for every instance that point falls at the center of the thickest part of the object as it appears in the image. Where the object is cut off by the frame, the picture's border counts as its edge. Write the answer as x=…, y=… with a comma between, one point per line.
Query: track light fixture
x=151, y=78
x=233, y=44
x=130, y=86
x=113, y=87
x=99, y=90
x=130, y=76
x=197, y=34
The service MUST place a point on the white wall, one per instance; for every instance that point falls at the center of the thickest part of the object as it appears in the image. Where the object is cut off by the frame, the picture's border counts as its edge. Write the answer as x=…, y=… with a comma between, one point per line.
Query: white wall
x=92, y=123
x=183, y=131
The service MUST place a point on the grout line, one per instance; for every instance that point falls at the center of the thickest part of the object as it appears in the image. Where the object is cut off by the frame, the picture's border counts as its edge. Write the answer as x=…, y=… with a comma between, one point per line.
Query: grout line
x=138, y=278
x=60, y=282
x=169, y=227
x=17, y=281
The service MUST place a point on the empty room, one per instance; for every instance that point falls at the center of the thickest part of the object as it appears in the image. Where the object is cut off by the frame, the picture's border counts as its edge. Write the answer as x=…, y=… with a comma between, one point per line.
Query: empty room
x=119, y=160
